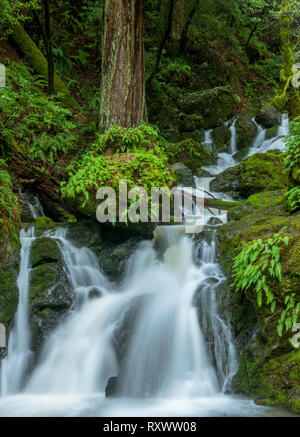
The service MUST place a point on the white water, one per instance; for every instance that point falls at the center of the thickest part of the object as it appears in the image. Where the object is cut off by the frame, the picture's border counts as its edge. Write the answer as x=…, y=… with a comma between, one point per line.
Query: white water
x=179, y=358
x=169, y=367
x=15, y=365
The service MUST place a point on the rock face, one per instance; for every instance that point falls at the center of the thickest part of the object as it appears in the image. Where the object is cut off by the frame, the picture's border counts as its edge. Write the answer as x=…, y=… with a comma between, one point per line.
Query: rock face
x=184, y=175
x=269, y=366
x=259, y=172
x=221, y=139
x=268, y=117
x=246, y=131
x=50, y=294
x=214, y=105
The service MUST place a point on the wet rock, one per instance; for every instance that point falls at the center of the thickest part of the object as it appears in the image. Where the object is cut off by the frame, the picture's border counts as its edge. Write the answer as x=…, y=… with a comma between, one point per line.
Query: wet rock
x=268, y=117
x=213, y=221
x=95, y=293
x=111, y=387
x=259, y=172
x=246, y=131
x=221, y=139
x=43, y=251
x=184, y=175
x=113, y=258
x=272, y=132
x=214, y=105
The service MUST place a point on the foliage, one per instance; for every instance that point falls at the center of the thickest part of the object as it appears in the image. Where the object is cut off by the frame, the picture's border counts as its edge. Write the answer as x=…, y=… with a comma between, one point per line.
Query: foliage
x=9, y=212
x=292, y=140
x=293, y=199
x=121, y=139
x=131, y=153
x=40, y=123
x=289, y=316
x=258, y=260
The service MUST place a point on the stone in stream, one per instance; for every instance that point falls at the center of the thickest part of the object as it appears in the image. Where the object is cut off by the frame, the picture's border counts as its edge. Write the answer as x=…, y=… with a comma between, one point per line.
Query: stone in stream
x=246, y=131
x=184, y=175
x=221, y=136
x=268, y=117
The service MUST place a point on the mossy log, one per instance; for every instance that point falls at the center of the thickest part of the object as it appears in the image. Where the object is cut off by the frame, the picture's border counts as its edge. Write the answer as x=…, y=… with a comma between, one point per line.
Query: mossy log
x=220, y=204
x=40, y=64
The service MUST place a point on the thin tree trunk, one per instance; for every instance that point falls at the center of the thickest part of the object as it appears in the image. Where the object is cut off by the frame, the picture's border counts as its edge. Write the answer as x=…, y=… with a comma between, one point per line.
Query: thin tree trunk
x=163, y=42
x=177, y=23
x=123, y=75
x=49, y=48
x=252, y=32
x=187, y=25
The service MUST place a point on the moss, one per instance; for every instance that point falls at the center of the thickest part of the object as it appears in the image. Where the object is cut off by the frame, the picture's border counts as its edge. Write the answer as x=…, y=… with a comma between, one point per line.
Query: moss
x=189, y=152
x=269, y=367
x=43, y=224
x=221, y=137
x=214, y=105
x=8, y=296
x=271, y=132
x=44, y=250
x=246, y=131
x=262, y=172
x=38, y=61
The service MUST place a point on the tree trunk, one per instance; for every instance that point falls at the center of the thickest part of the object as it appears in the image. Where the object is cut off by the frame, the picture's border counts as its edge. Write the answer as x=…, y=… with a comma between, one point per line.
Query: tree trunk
x=177, y=23
x=49, y=48
x=36, y=58
x=187, y=24
x=123, y=75
x=288, y=58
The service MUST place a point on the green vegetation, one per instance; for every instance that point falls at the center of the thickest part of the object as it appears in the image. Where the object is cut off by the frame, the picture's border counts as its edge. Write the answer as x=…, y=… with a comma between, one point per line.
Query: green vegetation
x=9, y=208
x=258, y=260
x=41, y=125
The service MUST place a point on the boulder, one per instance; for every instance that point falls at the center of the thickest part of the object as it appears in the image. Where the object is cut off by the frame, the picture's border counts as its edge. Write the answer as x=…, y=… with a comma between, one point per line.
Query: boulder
x=246, y=131
x=43, y=251
x=213, y=105
x=269, y=368
x=271, y=132
x=259, y=172
x=221, y=139
x=268, y=117
x=184, y=175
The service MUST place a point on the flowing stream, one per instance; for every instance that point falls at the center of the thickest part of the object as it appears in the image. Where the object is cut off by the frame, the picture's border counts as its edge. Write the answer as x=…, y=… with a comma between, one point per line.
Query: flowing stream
x=168, y=317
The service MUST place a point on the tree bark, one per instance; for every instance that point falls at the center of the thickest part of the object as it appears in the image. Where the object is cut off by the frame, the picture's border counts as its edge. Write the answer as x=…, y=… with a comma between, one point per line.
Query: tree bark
x=187, y=25
x=123, y=74
x=177, y=23
x=49, y=48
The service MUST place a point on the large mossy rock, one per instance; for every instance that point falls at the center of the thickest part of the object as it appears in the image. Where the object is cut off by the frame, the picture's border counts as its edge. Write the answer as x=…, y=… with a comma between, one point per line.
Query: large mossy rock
x=221, y=136
x=269, y=365
x=246, y=131
x=259, y=172
x=184, y=175
x=50, y=293
x=189, y=152
x=213, y=105
x=268, y=117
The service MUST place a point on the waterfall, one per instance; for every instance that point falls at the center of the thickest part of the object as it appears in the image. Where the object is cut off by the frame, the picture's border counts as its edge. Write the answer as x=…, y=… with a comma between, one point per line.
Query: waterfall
x=163, y=334
x=166, y=353
x=15, y=365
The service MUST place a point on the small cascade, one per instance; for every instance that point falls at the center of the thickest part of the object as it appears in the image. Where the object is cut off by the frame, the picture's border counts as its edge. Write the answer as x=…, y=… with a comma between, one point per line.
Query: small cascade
x=15, y=364
x=208, y=141
x=233, y=148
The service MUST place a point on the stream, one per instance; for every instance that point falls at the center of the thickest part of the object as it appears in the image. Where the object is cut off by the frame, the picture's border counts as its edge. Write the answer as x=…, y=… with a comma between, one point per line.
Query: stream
x=180, y=355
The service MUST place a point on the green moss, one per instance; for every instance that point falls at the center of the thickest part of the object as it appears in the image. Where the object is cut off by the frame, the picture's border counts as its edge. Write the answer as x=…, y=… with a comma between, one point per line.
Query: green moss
x=8, y=296
x=43, y=224
x=271, y=132
x=213, y=105
x=40, y=64
x=191, y=153
x=262, y=172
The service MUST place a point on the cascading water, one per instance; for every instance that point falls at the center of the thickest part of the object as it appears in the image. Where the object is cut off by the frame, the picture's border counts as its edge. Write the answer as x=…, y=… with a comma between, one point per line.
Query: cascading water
x=163, y=333
x=15, y=365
